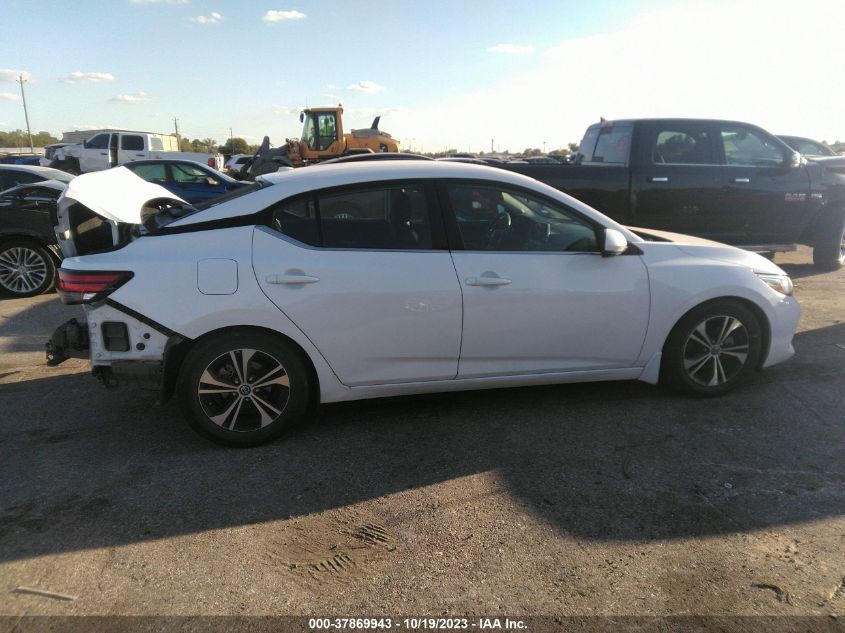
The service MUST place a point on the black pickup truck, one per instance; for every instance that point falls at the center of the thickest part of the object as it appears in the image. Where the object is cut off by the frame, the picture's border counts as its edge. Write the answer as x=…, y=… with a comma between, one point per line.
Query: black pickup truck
x=724, y=180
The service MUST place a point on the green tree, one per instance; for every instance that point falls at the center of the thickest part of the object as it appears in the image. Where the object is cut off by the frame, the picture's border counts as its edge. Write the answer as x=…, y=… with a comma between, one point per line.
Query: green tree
x=209, y=144
x=19, y=138
x=233, y=146
x=185, y=145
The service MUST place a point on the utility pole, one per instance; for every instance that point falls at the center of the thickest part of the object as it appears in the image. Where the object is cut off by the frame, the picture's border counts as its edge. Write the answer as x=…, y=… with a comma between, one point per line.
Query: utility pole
x=21, y=81
x=491, y=146
x=178, y=140
x=231, y=142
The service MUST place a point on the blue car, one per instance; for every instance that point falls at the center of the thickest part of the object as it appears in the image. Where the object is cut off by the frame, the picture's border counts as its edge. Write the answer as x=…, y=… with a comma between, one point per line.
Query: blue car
x=191, y=181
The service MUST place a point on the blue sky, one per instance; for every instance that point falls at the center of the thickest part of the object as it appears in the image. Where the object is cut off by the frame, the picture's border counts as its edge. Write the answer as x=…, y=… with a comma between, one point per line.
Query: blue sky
x=454, y=74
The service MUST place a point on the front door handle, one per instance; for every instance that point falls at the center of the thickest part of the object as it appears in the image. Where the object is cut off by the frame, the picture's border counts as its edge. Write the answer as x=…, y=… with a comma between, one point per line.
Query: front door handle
x=487, y=281
x=658, y=179
x=743, y=180
x=291, y=279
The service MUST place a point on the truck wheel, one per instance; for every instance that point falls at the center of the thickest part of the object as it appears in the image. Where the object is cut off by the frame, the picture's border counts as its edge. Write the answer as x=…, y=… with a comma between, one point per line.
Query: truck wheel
x=829, y=248
x=712, y=349
x=243, y=388
x=26, y=268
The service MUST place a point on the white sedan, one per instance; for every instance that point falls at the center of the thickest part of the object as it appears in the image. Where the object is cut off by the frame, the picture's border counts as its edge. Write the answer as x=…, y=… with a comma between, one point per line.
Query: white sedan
x=352, y=281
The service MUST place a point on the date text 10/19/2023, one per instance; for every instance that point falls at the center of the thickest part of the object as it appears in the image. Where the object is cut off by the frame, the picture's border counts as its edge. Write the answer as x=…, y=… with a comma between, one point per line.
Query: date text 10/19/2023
x=430, y=624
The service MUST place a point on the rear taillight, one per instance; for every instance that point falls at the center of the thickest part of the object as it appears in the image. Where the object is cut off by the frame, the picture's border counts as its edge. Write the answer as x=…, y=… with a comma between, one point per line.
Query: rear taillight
x=89, y=286
x=212, y=162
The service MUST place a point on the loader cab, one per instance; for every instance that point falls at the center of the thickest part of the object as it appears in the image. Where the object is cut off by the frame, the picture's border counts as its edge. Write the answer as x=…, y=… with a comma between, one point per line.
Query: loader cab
x=320, y=130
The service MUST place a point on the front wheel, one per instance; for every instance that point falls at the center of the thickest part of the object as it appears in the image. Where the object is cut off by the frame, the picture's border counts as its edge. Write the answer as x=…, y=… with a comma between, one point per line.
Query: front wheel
x=243, y=388
x=829, y=249
x=712, y=349
x=26, y=268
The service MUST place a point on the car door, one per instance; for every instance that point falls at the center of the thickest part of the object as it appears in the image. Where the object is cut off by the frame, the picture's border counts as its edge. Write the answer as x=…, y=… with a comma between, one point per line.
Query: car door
x=131, y=148
x=365, y=273
x=95, y=153
x=29, y=210
x=677, y=184
x=538, y=296
x=763, y=189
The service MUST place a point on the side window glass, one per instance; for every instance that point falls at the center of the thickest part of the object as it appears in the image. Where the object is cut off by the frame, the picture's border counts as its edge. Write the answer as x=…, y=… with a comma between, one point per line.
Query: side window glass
x=151, y=173
x=132, y=142
x=155, y=144
x=101, y=141
x=298, y=220
x=23, y=178
x=613, y=145
x=327, y=130
x=186, y=173
x=683, y=145
x=394, y=217
x=494, y=219
x=749, y=148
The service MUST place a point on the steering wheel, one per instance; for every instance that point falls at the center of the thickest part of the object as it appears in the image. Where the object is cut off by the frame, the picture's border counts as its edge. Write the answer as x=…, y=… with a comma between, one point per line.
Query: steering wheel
x=499, y=229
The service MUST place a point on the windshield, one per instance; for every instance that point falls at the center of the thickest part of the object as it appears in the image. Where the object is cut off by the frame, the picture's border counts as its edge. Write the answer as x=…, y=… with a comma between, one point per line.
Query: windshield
x=807, y=146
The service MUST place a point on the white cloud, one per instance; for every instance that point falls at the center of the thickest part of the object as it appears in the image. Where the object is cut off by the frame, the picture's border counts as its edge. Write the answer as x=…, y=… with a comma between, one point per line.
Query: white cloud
x=213, y=18
x=159, y=1
x=138, y=97
x=77, y=77
x=330, y=97
x=279, y=110
x=511, y=49
x=7, y=74
x=331, y=87
x=8, y=96
x=367, y=86
x=279, y=16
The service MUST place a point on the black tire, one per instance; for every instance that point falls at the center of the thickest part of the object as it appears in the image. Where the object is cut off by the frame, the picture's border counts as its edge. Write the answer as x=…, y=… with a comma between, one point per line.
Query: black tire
x=730, y=355
x=26, y=268
x=221, y=406
x=829, y=247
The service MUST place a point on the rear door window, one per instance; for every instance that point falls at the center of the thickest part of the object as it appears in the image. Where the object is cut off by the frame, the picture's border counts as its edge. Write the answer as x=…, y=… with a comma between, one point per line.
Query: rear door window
x=393, y=217
x=682, y=144
x=132, y=142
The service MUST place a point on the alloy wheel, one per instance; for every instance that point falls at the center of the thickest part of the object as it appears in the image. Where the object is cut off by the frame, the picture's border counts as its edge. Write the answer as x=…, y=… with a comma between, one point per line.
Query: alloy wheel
x=22, y=270
x=716, y=350
x=243, y=390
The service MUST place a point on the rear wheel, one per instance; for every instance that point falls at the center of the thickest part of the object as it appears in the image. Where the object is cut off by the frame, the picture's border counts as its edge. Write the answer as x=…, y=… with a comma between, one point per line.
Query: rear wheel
x=712, y=349
x=243, y=388
x=26, y=268
x=829, y=249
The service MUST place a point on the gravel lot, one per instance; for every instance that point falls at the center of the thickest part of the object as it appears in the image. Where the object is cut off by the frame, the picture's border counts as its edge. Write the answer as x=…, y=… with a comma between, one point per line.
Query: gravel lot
x=603, y=499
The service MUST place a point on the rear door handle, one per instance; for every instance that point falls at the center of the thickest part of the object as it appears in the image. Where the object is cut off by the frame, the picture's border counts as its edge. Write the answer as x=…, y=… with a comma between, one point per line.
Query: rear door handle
x=745, y=180
x=487, y=281
x=291, y=279
x=658, y=179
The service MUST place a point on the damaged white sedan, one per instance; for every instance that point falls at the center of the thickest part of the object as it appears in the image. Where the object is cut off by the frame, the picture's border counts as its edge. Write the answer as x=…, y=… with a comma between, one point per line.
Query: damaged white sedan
x=344, y=282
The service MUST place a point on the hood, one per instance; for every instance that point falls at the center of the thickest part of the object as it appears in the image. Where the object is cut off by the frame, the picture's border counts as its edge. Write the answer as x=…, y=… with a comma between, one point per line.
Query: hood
x=117, y=194
x=708, y=249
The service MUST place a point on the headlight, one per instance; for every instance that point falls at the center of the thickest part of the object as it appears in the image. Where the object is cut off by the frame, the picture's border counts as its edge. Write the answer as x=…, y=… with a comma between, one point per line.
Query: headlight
x=778, y=283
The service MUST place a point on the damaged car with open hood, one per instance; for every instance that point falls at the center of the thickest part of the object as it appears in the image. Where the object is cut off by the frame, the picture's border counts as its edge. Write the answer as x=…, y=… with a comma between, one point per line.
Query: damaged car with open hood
x=368, y=280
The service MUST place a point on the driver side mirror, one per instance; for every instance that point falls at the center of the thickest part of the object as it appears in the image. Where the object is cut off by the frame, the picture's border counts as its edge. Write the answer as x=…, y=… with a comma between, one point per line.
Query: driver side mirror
x=613, y=243
x=211, y=182
x=793, y=160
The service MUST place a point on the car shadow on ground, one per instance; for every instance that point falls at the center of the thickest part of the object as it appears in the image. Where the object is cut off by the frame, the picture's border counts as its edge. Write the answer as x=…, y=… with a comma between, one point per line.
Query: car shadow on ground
x=84, y=468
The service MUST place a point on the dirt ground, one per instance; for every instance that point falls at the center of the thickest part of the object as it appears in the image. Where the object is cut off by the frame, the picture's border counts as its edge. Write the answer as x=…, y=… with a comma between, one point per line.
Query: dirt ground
x=608, y=499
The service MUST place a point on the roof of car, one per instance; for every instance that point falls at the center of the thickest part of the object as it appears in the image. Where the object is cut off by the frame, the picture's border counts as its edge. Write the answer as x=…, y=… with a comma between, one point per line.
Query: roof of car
x=29, y=168
x=306, y=179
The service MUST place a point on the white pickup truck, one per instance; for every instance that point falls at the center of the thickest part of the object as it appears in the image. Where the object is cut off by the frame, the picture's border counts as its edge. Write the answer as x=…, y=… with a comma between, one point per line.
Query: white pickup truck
x=117, y=147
